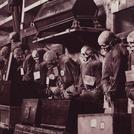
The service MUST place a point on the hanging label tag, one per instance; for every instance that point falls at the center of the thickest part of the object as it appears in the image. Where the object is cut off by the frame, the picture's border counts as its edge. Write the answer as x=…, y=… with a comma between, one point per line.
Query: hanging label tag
x=71, y=89
x=105, y=105
x=130, y=106
x=21, y=71
x=37, y=75
x=47, y=80
x=129, y=76
x=132, y=67
x=4, y=77
x=62, y=73
x=89, y=80
x=93, y=123
x=102, y=125
x=27, y=112
x=115, y=6
x=53, y=89
x=51, y=77
x=56, y=72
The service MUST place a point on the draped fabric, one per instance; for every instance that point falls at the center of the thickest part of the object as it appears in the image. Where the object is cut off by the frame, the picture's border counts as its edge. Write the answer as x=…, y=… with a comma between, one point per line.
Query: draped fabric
x=116, y=64
x=91, y=101
x=130, y=85
x=72, y=72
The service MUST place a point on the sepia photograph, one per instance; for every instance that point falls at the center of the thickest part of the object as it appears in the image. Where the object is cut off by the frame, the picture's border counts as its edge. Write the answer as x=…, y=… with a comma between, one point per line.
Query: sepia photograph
x=66, y=67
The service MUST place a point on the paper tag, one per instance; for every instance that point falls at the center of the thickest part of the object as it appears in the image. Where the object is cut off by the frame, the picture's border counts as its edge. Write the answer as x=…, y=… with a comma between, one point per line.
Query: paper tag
x=71, y=89
x=123, y=1
x=21, y=71
x=130, y=106
x=102, y=125
x=33, y=109
x=50, y=98
x=51, y=77
x=47, y=80
x=37, y=75
x=4, y=77
x=132, y=67
x=129, y=76
x=2, y=125
x=56, y=72
x=26, y=112
x=89, y=80
x=93, y=123
x=105, y=105
x=115, y=6
x=53, y=89
x=62, y=73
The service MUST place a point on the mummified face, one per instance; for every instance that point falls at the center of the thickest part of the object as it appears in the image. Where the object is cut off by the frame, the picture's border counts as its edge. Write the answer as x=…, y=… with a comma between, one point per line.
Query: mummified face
x=131, y=47
x=130, y=40
x=86, y=53
x=35, y=56
x=104, y=49
x=18, y=54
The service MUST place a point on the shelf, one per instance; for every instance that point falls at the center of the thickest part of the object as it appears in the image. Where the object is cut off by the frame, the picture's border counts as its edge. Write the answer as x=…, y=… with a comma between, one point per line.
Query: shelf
x=6, y=20
x=38, y=3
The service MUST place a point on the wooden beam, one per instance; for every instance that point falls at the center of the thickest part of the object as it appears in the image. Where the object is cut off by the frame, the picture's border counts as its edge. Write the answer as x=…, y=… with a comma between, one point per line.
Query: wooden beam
x=68, y=31
x=34, y=5
x=22, y=15
x=6, y=20
x=3, y=4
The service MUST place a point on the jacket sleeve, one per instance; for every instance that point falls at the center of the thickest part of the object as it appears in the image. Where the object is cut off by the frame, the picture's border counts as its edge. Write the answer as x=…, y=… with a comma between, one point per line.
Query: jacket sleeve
x=98, y=73
x=106, y=72
x=28, y=66
x=114, y=69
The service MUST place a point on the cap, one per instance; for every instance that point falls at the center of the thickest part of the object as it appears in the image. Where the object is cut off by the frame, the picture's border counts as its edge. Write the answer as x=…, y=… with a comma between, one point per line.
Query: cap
x=105, y=38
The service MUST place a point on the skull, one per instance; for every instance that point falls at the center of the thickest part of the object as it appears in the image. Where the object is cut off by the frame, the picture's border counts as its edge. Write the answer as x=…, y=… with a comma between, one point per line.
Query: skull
x=35, y=56
x=18, y=54
x=86, y=53
x=50, y=57
x=130, y=40
x=104, y=49
x=105, y=40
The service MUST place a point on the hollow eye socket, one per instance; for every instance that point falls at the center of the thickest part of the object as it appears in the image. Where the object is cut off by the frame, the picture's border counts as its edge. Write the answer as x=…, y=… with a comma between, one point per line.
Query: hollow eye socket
x=104, y=47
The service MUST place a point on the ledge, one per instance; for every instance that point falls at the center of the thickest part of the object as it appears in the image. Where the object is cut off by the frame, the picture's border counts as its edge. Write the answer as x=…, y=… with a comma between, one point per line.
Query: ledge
x=10, y=18
x=38, y=3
